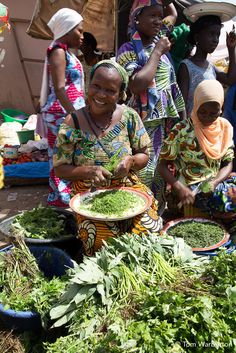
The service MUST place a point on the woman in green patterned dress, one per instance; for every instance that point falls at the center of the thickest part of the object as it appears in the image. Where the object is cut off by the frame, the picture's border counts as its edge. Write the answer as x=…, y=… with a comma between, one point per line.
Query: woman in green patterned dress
x=202, y=151
x=89, y=138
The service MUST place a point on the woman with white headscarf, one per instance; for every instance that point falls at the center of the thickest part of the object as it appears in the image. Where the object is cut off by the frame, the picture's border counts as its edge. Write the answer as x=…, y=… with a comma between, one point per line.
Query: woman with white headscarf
x=62, y=88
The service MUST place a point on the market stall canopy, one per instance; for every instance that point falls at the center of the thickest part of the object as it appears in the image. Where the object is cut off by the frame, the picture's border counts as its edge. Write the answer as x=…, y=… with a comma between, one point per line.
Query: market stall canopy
x=99, y=19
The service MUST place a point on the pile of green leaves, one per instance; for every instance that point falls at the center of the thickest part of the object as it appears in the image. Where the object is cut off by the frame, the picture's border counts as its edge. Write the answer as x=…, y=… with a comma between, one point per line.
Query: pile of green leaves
x=112, y=202
x=186, y=313
x=198, y=234
x=40, y=223
x=23, y=285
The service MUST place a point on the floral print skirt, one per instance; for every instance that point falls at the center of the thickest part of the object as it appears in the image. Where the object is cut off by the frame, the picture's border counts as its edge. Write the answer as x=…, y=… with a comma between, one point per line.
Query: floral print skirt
x=93, y=233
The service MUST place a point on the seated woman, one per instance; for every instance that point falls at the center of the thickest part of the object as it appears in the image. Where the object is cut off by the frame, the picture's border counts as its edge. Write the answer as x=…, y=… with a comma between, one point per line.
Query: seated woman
x=87, y=140
x=202, y=150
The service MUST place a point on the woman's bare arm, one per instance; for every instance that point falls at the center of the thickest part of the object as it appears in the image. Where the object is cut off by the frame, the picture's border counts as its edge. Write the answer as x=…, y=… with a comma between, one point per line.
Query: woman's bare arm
x=57, y=63
x=140, y=81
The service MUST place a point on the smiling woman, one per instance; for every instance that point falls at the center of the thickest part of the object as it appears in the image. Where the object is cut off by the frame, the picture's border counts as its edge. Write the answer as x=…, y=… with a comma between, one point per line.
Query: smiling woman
x=93, y=136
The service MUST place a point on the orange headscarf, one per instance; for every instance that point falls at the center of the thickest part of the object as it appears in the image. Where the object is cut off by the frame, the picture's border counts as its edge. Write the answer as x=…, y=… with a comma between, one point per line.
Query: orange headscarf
x=216, y=138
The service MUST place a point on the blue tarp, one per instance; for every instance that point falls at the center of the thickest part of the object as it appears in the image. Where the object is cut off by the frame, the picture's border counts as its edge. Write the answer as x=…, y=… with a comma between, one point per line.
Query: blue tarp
x=28, y=170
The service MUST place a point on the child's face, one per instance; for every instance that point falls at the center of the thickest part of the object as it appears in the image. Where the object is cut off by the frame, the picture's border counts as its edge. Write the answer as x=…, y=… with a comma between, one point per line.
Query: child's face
x=208, y=112
x=208, y=39
x=150, y=21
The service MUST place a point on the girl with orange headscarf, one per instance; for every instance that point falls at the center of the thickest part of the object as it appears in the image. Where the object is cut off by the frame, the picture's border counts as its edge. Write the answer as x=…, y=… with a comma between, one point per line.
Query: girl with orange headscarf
x=202, y=150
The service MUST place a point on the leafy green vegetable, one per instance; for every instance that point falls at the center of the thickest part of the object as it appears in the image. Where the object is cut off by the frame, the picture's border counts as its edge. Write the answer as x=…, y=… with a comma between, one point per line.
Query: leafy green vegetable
x=112, y=202
x=112, y=274
x=40, y=223
x=197, y=234
x=23, y=285
x=205, y=187
x=188, y=313
x=114, y=161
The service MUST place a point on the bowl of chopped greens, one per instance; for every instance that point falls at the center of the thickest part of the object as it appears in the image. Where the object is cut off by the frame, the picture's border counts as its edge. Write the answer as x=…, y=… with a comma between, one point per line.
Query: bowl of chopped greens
x=41, y=225
x=111, y=204
x=201, y=234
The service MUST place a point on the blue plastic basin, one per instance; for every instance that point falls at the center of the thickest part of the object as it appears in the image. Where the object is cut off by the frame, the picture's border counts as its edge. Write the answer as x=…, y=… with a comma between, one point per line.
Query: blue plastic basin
x=52, y=262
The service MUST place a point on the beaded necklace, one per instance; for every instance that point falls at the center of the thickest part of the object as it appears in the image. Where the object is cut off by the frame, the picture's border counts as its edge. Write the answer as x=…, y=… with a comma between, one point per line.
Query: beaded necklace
x=102, y=128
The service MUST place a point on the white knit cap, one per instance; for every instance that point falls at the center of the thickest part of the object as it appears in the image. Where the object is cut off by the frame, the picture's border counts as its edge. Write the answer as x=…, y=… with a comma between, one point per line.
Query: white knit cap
x=63, y=21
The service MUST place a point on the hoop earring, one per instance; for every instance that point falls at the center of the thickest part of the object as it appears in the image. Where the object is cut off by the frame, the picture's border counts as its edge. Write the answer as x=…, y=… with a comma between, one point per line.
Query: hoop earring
x=137, y=22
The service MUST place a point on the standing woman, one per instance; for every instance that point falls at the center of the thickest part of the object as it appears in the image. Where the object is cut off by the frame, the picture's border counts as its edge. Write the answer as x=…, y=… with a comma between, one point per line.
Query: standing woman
x=62, y=88
x=205, y=34
x=152, y=82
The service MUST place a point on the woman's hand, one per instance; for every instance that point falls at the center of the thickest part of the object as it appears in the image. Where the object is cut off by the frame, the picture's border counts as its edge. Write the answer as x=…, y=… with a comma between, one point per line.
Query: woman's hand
x=231, y=39
x=163, y=45
x=99, y=176
x=185, y=194
x=124, y=167
x=213, y=184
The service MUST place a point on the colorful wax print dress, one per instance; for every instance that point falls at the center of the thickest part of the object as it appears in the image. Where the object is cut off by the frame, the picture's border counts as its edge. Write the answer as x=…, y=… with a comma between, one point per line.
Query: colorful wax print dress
x=158, y=106
x=54, y=114
x=193, y=166
x=82, y=148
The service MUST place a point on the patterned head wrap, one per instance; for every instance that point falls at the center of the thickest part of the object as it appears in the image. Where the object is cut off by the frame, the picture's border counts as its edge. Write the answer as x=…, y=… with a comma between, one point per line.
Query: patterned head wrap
x=121, y=71
x=4, y=18
x=138, y=6
x=149, y=98
x=63, y=21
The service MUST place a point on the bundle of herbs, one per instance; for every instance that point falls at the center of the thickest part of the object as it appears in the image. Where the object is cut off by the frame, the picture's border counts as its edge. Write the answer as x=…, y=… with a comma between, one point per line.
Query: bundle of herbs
x=23, y=285
x=113, y=275
x=40, y=223
x=192, y=313
x=114, y=161
x=198, y=234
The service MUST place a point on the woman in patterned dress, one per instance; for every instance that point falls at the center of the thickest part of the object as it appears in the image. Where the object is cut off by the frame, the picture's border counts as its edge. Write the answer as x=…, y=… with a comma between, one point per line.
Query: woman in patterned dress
x=202, y=150
x=155, y=93
x=87, y=140
x=62, y=89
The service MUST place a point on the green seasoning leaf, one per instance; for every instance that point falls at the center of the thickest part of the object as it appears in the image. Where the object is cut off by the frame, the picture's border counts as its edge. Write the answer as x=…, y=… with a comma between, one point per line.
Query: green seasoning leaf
x=112, y=202
x=205, y=187
x=231, y=293
x=114, y=161
x=196, y=234
x=23, y=286
x=40, y=223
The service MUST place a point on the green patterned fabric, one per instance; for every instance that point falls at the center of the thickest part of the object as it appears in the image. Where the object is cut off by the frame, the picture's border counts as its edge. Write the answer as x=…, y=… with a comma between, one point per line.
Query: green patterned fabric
x=192, y=165
x=171, y=101
x=81, y=148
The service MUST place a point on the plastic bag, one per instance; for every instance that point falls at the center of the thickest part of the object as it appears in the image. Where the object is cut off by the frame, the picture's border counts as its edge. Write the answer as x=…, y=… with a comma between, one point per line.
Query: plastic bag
x=8, y=133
